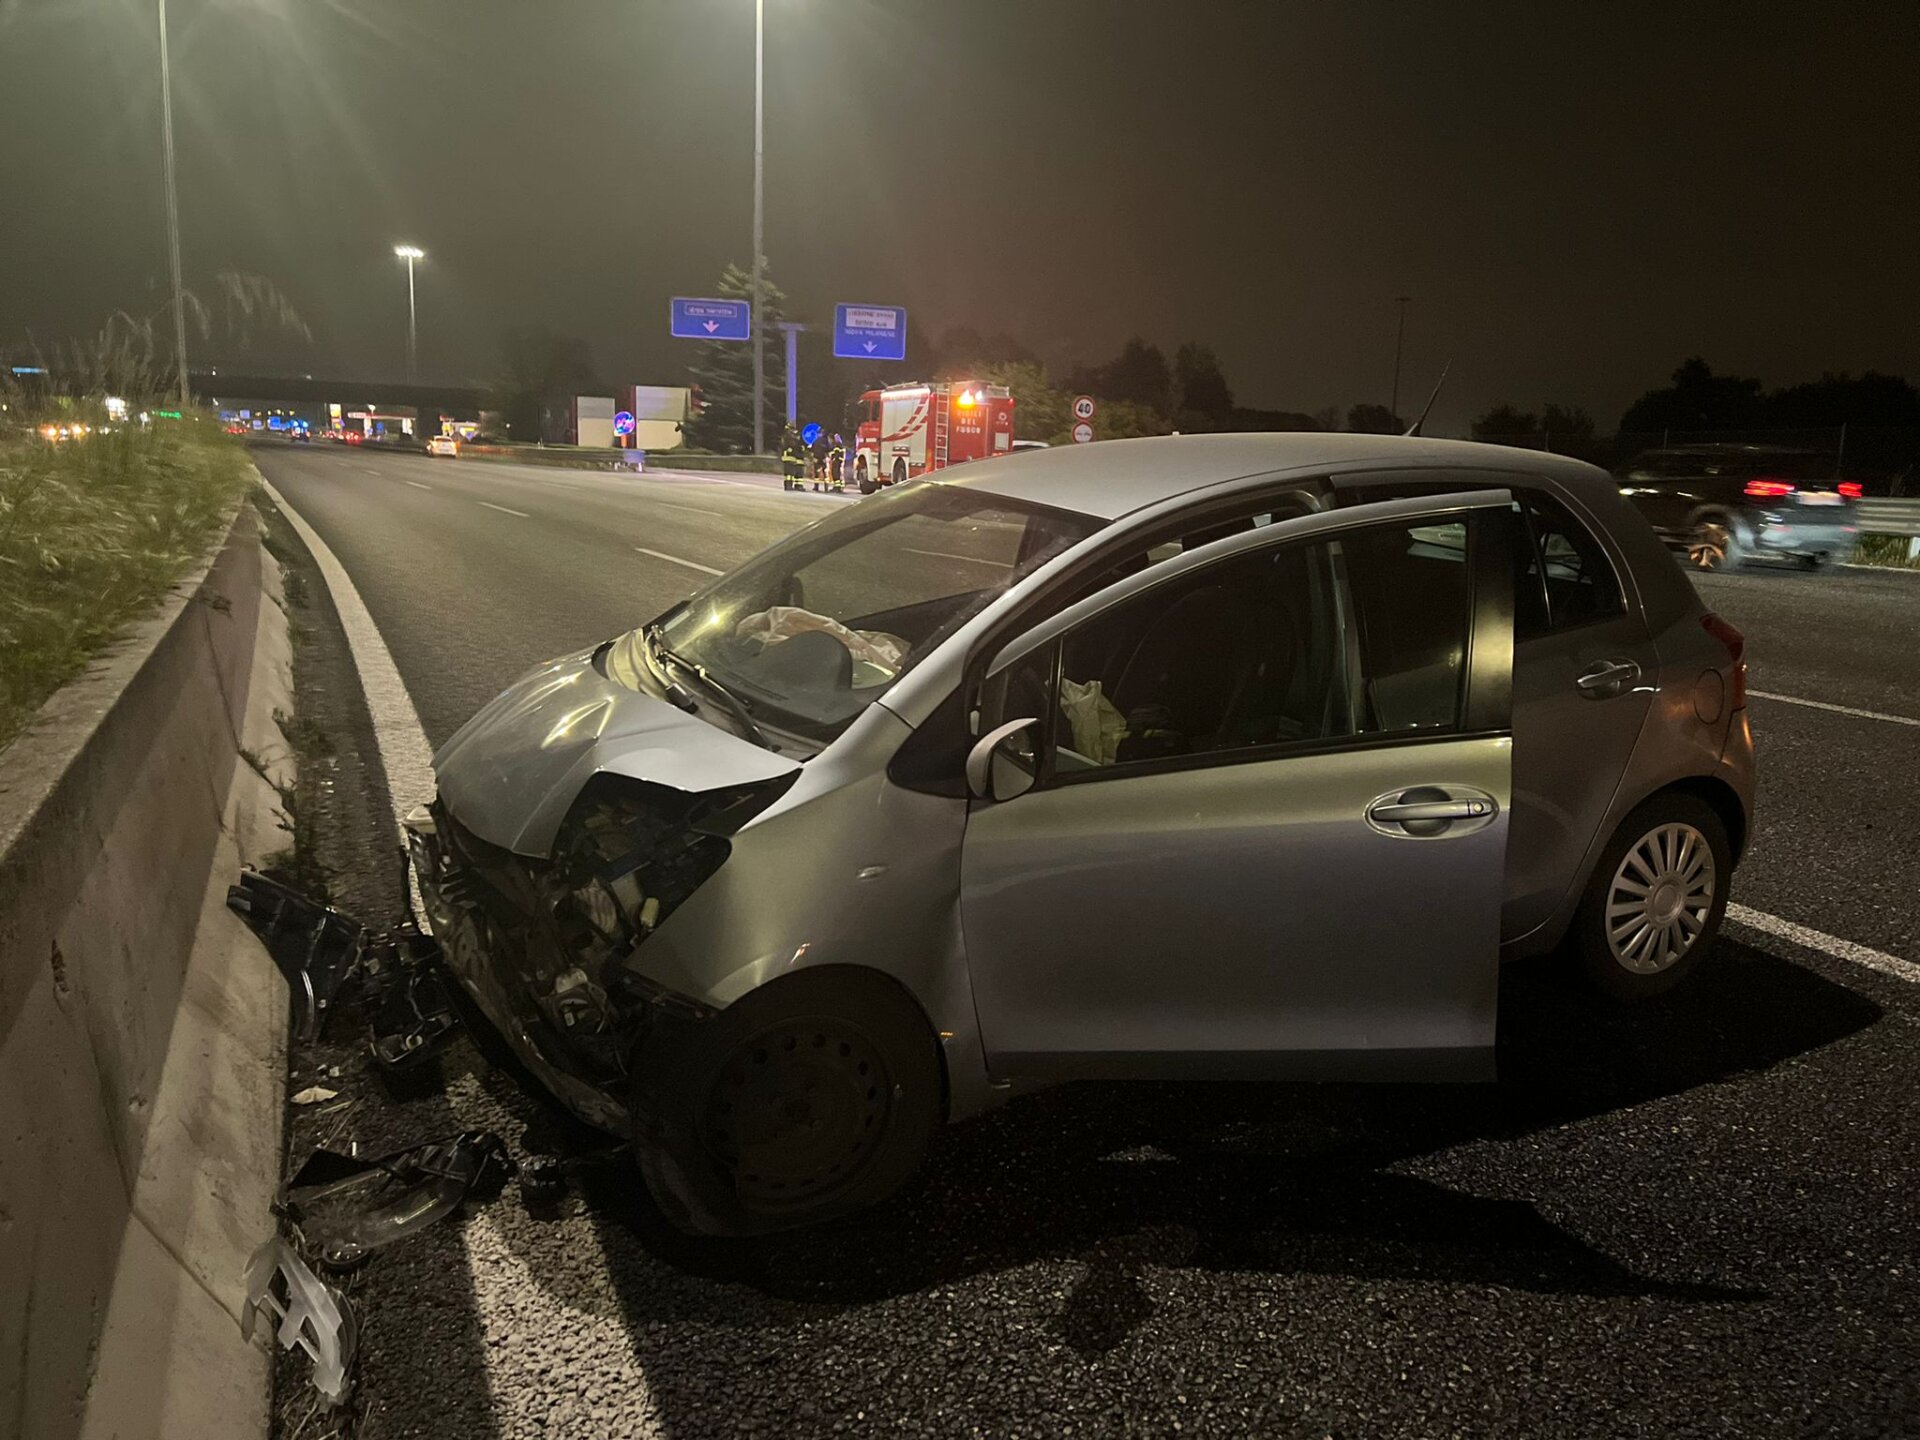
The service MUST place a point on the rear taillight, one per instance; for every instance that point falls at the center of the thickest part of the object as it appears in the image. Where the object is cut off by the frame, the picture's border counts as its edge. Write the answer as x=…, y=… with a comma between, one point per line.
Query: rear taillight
x=1736, y=644
x=1850, y=488
x=1769, y=489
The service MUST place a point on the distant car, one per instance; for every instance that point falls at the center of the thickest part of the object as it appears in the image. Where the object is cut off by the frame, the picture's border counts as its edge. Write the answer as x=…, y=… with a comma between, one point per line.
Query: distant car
x=299, y=435
x=445, y=445
x=1723, y=505
x=352, y=437
x=1217, y=756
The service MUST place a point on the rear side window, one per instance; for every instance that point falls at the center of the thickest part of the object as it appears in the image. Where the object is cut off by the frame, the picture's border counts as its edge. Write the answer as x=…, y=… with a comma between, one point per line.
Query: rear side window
x=1570, y=565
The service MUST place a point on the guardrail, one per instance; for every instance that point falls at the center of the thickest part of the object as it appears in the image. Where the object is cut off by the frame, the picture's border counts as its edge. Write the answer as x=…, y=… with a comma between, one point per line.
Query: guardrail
x=1888, y=517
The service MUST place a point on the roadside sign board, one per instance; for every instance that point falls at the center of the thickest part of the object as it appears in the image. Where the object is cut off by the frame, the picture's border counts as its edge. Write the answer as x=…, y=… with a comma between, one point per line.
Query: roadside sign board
x=1083, y=407
x=623, y=422
x=1082, y=433
x=697, y=319
x=869, y=332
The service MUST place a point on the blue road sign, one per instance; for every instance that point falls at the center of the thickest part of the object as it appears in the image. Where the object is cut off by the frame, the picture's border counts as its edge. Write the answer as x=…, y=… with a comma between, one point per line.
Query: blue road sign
x=869, y=332
x=811, y=433
x=711, y=319
x=623, y=423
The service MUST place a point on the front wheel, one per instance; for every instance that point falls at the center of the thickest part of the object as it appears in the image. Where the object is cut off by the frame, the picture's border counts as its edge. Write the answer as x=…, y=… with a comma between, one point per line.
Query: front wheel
x=862, y=479
x=1716, y=544
x=1655, y=902
x=812, y=1097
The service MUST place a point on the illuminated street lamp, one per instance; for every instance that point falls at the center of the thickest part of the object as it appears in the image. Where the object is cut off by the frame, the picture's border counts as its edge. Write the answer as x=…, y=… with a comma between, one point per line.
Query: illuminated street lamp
x=755, y=332
x=411, y=253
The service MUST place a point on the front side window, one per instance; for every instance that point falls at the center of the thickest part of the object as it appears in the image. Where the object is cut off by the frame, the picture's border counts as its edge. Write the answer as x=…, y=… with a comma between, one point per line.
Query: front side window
x=813, y=630
x=1293, y=645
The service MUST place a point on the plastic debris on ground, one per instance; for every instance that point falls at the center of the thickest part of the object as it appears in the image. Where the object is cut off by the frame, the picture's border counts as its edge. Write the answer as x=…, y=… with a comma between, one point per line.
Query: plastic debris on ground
x=345, y=1208
x=543, y=1184
x=315, y=1095
x=316, y=947
x=311, y=1314
x=322, y=950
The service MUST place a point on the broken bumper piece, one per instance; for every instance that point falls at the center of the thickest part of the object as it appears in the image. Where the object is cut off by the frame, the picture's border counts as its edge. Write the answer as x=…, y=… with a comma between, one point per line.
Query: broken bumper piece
x=346, y=1208
x=311, y=1315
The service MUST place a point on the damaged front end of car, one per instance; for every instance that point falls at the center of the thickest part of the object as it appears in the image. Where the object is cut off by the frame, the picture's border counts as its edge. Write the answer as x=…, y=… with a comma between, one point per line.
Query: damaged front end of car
x=541, y=946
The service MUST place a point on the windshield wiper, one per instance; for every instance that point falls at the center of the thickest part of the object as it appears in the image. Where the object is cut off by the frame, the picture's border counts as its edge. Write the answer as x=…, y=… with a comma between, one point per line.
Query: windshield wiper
x=670, y=659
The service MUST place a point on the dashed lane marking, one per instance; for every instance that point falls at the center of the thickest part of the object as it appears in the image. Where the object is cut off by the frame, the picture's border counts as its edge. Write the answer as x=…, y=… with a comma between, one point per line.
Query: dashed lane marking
x=418, y=486
x=677, y=560
x=521, y=514
x=1826, y=944
x=1836, y=709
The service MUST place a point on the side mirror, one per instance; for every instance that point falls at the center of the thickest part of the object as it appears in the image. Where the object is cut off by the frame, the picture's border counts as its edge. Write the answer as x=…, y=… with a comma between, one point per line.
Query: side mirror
x=993, y=774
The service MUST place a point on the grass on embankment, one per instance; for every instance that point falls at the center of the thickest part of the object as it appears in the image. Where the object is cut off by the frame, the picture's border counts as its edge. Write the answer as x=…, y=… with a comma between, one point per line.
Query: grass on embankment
x=92, y=532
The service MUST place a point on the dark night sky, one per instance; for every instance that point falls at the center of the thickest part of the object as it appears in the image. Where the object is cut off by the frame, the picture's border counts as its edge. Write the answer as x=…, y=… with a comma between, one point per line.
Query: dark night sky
x=1577, y=195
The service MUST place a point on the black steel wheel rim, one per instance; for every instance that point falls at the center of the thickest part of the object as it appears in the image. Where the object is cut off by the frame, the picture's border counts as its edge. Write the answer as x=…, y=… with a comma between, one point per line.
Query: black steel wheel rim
x=798, y=1111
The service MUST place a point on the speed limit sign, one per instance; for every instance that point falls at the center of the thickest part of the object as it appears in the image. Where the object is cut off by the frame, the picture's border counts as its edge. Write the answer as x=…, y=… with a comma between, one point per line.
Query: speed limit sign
x=1083, y=433
x=1083, y=407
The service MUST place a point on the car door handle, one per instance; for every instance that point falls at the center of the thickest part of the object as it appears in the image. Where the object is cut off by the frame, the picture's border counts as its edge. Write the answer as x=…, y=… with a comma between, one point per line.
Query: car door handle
x=1428, y=811
x=1607, y=678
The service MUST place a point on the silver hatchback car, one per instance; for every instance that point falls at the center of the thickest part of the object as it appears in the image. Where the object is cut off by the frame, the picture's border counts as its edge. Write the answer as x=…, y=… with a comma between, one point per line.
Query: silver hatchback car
x=1219, y=756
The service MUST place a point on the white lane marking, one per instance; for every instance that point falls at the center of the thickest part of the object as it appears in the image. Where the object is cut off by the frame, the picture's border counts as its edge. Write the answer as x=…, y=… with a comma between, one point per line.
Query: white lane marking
x=950, y=555
x=418, y=486
x=502, y=509
x=404, y=751
x=1826, y=944
x=691, y=509
x=1836, y=709
x=675, y=559
x=507, y=1298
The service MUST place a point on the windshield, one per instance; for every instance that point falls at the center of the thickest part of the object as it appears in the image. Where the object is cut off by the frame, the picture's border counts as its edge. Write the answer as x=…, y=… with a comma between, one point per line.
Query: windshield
x=811, y=632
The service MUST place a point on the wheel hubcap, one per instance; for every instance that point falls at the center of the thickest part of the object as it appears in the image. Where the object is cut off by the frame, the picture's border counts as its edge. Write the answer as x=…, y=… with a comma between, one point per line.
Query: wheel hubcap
x=799, y=1110
x=1708, y=549
x=1661, y=895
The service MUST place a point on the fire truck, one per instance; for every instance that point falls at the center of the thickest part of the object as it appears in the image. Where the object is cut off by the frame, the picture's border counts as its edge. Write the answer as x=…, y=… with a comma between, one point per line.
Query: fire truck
x=911, y=430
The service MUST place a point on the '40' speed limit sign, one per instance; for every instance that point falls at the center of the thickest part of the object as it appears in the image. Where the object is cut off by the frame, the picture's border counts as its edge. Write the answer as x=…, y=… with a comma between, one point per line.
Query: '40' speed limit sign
x=1083, y=407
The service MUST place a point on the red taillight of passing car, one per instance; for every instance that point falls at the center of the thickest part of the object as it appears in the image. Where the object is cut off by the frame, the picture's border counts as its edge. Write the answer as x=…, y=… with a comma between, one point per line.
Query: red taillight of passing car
x=1851, y=489
x=1769, y=489
x=1736, y=644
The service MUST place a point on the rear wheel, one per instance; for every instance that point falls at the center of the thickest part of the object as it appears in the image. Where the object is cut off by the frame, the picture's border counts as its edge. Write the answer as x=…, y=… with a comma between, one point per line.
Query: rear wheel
x=899, y=473
x=810, y=1098
x=1655, y=902
x=1716, y=544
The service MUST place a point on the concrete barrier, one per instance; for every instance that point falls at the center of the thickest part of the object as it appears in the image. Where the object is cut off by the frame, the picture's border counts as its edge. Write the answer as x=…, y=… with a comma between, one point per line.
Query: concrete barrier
x=142, y=1031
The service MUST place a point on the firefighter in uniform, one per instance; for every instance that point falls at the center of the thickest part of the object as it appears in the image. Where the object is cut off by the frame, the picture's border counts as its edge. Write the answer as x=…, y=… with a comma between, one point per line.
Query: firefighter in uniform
x=837, y=463
x=793, y=460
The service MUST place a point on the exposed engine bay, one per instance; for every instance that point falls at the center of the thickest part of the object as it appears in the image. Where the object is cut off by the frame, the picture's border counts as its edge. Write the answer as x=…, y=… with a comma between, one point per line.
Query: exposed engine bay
x=542, y=945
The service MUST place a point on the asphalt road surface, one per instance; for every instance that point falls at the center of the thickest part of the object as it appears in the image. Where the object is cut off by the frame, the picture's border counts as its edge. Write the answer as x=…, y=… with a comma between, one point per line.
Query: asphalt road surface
x=1691, y=1218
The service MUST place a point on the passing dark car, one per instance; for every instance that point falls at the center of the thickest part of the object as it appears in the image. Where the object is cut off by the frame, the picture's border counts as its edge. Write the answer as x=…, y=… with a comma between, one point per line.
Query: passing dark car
x=1724, y=505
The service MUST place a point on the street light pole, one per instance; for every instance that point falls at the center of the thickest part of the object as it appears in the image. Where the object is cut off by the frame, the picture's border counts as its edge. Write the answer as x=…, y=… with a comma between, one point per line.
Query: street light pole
x=173, y=213
x=1399, y=344
x=411, y=253
x=756, y=331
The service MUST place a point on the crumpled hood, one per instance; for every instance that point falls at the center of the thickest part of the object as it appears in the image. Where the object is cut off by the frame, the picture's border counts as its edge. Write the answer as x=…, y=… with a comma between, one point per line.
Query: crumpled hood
x=511, y=772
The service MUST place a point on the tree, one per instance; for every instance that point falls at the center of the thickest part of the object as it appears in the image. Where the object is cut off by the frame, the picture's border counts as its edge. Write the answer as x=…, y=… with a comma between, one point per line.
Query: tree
x=722, y=371
x=1506, y=422
x=1139, y=374
x=1698, y=399
x=1375, y=420
x=1202, y=400
x=1568, y=422
x=543, y=372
